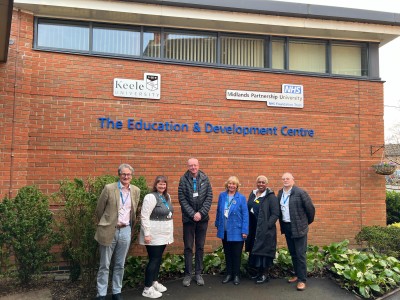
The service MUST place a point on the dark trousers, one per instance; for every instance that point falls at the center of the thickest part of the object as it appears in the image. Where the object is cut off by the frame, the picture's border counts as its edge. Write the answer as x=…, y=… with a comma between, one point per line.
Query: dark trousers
x=153, y=266
x=194, y=233
x=298, y=251
x=233, y=256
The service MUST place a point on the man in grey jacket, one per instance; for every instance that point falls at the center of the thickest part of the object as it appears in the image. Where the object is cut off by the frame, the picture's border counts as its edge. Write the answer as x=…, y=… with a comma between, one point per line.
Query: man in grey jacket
x=296, y=213
x=195, y=197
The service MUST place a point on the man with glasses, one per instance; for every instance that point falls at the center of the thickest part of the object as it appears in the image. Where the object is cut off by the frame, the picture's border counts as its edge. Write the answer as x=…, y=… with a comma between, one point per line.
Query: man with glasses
x=297, y=212
x=195, y=197
x=115, y=212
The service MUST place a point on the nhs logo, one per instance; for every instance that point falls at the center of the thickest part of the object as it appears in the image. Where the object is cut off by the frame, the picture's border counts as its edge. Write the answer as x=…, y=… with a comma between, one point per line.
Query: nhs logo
x=292, y=89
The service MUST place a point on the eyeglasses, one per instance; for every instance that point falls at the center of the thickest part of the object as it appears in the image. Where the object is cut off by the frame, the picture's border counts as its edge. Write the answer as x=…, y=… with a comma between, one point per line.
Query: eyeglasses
x=125, y=174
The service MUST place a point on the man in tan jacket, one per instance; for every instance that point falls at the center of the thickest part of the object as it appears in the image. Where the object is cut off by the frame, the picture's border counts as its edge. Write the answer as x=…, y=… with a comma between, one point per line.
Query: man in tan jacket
x=115, y=212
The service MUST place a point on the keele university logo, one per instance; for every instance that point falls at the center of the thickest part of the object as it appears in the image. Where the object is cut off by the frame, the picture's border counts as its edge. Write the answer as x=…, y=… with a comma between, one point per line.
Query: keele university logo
x=148, y=88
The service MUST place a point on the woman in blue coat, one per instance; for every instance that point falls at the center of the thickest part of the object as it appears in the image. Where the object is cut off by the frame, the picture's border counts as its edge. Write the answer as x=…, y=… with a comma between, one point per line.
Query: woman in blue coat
x=232, y=222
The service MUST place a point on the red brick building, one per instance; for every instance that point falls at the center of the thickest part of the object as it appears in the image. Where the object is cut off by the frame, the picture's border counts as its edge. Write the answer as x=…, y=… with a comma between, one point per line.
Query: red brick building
x=247, y=89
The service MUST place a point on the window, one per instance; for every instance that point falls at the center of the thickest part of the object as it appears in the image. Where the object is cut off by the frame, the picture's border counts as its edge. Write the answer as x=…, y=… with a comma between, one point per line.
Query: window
x=68, y=36
x=152, y=43
x=349, y=59
x=307, y=56
x=339, y=58
x=190, y=47
x=116, y=41
x=278, y=54
x=247, y=52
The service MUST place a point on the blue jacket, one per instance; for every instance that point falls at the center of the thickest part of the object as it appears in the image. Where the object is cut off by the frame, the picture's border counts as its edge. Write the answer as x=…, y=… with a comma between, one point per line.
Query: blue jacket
x=238, y=218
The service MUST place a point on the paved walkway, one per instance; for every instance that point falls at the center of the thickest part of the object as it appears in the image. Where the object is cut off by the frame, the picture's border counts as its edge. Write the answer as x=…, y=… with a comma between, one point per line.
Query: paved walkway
x=276, y=289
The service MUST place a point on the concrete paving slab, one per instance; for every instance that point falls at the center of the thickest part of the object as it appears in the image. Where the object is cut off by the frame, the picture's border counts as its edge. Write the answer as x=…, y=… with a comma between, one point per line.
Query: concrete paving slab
x=43, y=294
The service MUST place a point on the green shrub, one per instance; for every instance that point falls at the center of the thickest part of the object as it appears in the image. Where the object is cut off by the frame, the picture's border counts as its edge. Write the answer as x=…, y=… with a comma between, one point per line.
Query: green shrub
x=394, y=225
x=392, y=207
x=385, y=240
x=78, y=225
x=27, y=229
x=367, y=274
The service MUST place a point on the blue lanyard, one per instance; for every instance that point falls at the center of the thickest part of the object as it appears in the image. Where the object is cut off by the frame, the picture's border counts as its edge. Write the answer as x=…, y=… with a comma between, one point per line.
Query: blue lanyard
x=164, y=201
x=194, y=184
x=229, y=203
x=285, y=200
x=120, y=193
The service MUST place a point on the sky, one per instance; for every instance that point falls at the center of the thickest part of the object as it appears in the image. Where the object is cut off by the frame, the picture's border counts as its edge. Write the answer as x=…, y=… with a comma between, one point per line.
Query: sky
x=389, y=59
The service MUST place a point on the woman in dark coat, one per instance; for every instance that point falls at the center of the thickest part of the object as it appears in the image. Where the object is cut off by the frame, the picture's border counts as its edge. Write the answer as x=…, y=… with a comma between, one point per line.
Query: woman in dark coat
x=261, y=242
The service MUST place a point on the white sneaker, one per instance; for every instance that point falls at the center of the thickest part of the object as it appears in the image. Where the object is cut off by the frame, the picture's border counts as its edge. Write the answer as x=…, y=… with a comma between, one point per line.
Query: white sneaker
x=159, y=287
x=151, y=293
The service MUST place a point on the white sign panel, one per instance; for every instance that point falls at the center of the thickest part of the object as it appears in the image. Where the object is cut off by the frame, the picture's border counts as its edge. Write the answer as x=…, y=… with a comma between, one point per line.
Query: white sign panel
x=291, y=96
x=149, y=88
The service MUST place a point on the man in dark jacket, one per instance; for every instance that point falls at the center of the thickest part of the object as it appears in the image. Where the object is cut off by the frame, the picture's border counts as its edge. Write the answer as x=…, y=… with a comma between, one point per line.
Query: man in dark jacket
x=297, y=212
x=195, y=197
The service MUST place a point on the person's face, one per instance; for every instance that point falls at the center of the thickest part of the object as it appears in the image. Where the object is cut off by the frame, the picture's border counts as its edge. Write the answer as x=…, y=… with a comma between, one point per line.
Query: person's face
x=288, y=180
x=125, y=176
x=161, y=186
x=193, y=166
x=261, y=185
x=232, y=187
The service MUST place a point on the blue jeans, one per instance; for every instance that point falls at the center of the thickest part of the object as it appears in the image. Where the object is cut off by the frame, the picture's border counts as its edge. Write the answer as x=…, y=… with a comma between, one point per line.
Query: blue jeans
x=119, y=247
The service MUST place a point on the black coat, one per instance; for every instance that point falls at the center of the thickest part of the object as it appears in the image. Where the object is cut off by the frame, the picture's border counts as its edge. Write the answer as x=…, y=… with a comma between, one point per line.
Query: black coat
x=262, y=238
x=301, y=210
x=190, y=205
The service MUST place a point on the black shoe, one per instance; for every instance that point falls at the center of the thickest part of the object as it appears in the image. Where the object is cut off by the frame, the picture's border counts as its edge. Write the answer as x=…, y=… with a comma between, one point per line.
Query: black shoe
x=227, y=279
x=262, y=279
x=117, y=297
x=236, y=280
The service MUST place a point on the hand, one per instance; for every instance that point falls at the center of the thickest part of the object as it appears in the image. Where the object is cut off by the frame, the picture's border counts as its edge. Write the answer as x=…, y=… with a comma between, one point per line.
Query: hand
x=244, y=236
x=197, y=217
x=147, y=239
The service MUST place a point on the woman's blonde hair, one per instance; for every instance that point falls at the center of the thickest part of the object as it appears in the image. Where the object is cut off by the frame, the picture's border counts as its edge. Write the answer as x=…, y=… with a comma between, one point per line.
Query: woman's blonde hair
x=234, y=180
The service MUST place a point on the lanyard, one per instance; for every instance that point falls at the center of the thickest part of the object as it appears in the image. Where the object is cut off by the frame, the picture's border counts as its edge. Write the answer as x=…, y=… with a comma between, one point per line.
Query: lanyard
x=285, y=200
x=194, y=184
x=120, y=193
x=164, y=201
x=229, y=202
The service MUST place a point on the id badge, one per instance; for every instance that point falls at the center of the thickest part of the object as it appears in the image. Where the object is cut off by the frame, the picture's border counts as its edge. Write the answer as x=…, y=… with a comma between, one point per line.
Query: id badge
x=195, y=194
x=226, y=212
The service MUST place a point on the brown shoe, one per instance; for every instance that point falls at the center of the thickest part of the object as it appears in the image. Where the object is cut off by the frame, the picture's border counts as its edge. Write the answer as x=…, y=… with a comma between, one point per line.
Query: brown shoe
x=292, y=279
x=301, y=286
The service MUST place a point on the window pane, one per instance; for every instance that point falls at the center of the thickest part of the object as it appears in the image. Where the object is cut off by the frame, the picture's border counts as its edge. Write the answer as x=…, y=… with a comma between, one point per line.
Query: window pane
x=348, y=59
x=307, y=56
x=278, y=54
x=242, y=52
x=152, y=44
x=63, y=36
x=190, y=47
x=116, y=41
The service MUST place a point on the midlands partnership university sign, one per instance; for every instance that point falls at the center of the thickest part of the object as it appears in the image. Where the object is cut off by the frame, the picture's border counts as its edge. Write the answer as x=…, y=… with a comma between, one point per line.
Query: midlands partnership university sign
x=291, y=96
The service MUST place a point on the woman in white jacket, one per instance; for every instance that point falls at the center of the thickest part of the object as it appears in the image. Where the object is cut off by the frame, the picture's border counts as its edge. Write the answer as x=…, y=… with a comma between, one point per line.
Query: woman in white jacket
x=156, y=233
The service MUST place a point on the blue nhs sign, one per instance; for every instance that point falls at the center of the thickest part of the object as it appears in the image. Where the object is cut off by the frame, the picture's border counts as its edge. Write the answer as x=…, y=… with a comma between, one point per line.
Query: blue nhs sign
x=292, y=89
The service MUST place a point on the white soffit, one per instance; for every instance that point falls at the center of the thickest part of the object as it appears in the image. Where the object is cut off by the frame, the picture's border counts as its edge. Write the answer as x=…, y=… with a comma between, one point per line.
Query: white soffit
x=203, y=19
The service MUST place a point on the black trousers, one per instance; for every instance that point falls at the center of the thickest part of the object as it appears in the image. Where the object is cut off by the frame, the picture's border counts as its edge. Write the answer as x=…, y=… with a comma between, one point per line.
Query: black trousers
x=194, y=233
x=233, y=256
x=153, y=266
x=298, y=251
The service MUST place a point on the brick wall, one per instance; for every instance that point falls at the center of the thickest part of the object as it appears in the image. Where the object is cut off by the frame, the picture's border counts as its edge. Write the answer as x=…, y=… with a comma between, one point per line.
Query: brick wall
x=50, y=104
